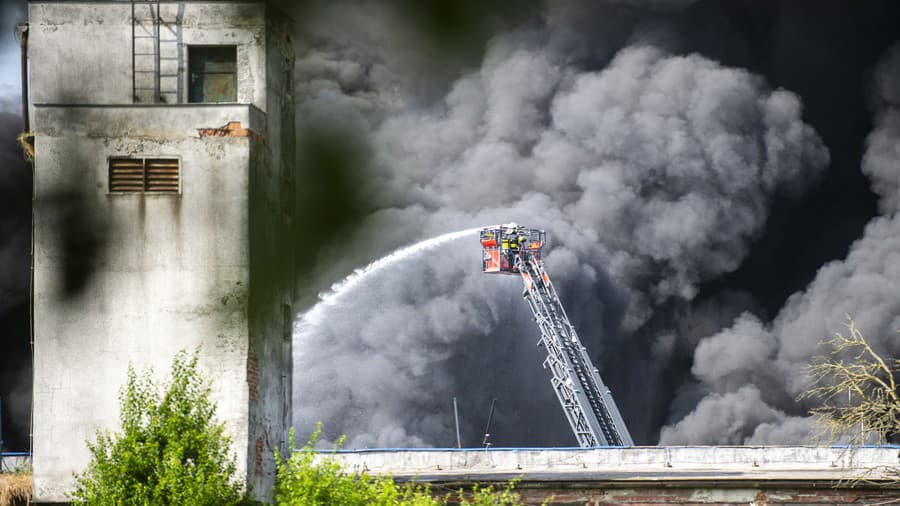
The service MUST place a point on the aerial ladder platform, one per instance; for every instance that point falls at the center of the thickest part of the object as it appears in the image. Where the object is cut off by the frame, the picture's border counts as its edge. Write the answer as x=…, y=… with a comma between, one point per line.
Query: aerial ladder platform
x=585, y=399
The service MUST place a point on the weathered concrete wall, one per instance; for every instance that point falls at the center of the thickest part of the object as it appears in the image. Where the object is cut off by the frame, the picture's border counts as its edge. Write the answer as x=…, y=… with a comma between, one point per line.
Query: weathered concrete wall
x=82, y=51
x=211, y=266
x=651, y=475
x=167, y=272
x=80, y=55
x=636, y=463
x=272, y=240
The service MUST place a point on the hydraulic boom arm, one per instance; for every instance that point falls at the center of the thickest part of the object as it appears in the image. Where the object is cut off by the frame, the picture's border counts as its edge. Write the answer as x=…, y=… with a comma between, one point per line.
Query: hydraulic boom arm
x=585, y=399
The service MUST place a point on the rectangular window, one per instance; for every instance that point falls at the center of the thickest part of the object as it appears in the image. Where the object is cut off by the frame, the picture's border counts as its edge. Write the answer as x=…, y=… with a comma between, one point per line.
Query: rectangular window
x=212, y=72
x=144, y=175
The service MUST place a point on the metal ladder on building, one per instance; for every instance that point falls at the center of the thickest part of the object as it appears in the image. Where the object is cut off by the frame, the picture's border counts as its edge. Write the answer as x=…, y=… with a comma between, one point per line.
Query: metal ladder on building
x=155, y=55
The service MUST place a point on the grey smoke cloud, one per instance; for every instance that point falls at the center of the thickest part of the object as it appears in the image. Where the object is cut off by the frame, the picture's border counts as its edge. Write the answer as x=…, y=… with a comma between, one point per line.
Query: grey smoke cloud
x=723, y=418
x=737, y=417
x=735, y=358
x=652, y=174
x=769, y=359
x=880, y=162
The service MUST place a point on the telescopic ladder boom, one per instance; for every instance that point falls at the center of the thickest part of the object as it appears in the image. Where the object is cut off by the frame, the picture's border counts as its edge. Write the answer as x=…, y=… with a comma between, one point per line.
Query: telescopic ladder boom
x=585, y=399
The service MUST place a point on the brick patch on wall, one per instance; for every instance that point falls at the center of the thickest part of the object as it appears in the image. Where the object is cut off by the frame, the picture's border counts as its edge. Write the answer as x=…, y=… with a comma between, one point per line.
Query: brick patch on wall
x=231, y=129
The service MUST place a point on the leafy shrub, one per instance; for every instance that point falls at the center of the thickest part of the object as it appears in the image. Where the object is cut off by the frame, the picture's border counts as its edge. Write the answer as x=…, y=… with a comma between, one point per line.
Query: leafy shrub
x=171, y=450
x=303, y=479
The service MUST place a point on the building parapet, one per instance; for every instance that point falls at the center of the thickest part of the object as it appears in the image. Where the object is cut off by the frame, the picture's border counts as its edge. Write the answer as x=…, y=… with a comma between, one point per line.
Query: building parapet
x=633, y=464
x=157, y=122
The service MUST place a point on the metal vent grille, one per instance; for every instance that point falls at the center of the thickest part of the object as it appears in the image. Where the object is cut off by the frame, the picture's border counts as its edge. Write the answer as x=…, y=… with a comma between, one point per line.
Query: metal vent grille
x=162, y=175
x=139, y=175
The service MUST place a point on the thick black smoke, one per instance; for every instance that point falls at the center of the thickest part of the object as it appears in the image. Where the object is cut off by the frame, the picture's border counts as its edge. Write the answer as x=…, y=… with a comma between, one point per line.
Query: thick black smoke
x=695, y=162
x=15, y=244
x=15, y=233
x=653, y=169
x=755, y=370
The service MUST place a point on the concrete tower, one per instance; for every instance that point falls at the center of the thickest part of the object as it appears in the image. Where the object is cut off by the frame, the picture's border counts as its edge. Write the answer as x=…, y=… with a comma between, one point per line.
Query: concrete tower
x=164, y=198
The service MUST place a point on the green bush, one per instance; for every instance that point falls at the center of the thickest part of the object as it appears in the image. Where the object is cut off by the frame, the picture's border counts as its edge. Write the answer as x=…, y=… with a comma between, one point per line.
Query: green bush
x=170, y=450
x=303, y=479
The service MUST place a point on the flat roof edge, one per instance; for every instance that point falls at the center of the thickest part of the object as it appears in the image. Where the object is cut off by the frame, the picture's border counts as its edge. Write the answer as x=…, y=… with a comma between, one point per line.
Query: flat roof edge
x=663, y=464
x=577, y=449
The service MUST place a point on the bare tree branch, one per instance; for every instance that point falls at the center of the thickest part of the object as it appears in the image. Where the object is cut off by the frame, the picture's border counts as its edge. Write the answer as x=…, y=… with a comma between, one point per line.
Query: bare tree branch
x=857, y=389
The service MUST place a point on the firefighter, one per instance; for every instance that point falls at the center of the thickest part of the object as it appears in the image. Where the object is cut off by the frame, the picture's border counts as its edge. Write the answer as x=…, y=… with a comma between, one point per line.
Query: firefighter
x=521, y=241
x=513, y=251
x=504, y=251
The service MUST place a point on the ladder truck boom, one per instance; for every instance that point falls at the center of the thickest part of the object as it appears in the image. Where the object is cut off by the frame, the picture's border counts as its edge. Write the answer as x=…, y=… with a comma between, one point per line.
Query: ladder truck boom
x=585, y=399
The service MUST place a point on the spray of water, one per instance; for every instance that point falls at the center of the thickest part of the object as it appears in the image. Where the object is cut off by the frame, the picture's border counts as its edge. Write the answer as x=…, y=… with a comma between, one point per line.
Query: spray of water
x=316, y=314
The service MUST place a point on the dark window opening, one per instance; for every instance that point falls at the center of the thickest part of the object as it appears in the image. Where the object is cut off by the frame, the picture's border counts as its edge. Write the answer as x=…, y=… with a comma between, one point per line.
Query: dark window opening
x=212, y=73
x=144, y=175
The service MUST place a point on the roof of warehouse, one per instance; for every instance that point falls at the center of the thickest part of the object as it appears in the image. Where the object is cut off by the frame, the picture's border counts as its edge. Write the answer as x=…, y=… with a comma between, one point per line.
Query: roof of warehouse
x=644, y=464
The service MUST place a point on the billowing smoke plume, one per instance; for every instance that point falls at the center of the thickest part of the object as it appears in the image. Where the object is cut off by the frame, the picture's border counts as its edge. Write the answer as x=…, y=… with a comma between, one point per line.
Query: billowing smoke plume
x=753, y=371
x=653, y=172
x=880, y=162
